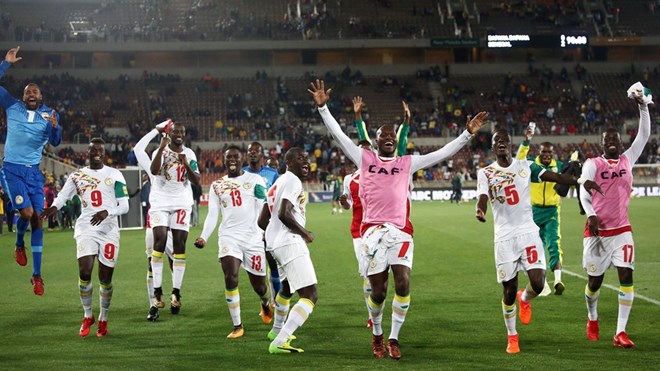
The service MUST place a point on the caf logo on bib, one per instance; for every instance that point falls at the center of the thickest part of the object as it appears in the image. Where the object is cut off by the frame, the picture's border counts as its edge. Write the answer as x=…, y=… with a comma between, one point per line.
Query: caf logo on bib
x=18, y=200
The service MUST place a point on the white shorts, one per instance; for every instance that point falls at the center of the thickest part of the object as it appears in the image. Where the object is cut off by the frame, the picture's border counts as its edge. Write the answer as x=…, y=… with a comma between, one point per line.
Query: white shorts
x=295, y=265
x=600, y=253
x=105, y=247
x=174, y=219
x=149, y=243
x=385, y=245
x=252, y=257
x=521, y=253
x=360, y=250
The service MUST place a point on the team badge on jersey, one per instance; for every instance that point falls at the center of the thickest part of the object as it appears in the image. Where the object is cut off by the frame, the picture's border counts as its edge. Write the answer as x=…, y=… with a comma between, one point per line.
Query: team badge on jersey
x=80, y=247
x=109, y=181
x=501, y=273
x=247, y=185
x=18, y=200
x=522, y=173
x=45, y=115
x=156, y=219
x=591, y=267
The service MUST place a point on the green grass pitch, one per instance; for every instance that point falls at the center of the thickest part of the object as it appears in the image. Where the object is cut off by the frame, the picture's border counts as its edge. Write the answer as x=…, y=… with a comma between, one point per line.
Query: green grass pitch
x=455, y=320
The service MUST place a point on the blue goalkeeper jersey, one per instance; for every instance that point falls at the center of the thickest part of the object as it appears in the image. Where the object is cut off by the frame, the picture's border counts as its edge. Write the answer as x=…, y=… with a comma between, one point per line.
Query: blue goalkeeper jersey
x=270, y=175
x=27, y=131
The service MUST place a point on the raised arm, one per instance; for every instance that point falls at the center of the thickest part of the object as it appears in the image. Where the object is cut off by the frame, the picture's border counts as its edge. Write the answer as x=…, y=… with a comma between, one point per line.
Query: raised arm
x=140, y=150
x=359, y=123
x=157, y=157
x=6, y=100
x=474, y=124
x=643, y=133
x=321, y=97
x=523, y=149
x=402, y=132
x=54, y=129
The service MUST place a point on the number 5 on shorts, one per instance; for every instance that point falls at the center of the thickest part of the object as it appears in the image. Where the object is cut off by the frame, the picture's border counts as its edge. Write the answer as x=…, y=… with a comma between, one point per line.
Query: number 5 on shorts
x=532, y=254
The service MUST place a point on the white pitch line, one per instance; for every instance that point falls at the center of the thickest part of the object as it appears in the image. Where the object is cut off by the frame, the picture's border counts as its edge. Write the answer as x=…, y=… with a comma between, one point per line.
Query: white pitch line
x=637, y=296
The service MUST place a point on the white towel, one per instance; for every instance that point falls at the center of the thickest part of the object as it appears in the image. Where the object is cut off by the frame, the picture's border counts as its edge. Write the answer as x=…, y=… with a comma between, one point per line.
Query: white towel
x=637, y=89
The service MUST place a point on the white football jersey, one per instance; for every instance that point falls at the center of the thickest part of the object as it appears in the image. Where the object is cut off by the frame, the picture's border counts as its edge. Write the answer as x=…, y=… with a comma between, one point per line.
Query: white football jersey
x=509, y=192
x=170, y=189
x=98, y=190
x=240, y=201
x=288, y=187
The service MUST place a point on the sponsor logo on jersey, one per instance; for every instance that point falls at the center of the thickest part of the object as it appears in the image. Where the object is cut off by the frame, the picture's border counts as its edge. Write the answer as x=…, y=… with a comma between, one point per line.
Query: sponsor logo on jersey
x=381, y=170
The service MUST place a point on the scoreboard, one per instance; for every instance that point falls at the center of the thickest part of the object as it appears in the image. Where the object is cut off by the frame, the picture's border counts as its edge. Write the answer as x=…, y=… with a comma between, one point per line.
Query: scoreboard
x=537, y=41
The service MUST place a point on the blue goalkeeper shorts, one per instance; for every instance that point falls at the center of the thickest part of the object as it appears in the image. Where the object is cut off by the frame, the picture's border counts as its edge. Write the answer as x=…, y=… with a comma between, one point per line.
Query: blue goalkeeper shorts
x=24, y=184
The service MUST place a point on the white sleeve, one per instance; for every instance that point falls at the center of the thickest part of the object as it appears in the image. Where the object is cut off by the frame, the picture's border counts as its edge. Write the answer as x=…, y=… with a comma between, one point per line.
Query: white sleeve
x=347, y=188
x=290, y=190
x=482, y=183
x=588, y=172
x=120, y=209
x=353, y=152
x=140, y=150
x=193, y=157
x=643, y=134
x=450, y=149
x=122, y=203
x=66, y=193
x=212, y=216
